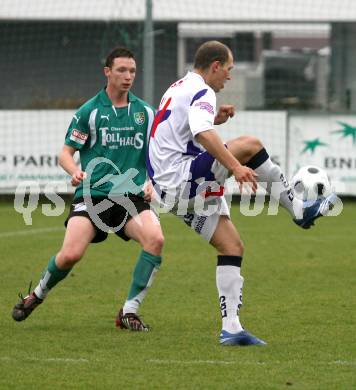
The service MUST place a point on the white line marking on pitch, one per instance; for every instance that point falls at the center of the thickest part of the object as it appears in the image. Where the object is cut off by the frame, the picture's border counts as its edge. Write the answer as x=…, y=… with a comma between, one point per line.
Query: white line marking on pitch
x=57, y=360
x=161, y=361
x=222, y=362
x=25, y=232
x=344, y=363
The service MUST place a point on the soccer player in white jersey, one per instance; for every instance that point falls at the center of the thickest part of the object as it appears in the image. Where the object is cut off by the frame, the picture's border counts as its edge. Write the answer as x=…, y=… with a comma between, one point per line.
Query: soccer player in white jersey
x=188, y=164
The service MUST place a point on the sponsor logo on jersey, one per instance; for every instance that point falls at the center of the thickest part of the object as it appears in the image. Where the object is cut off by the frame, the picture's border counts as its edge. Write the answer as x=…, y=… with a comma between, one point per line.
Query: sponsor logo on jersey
x=205, y=106
x=114, y=138
x=125, y=128
x=78, y=137
x=139, y=118
x=76, y=118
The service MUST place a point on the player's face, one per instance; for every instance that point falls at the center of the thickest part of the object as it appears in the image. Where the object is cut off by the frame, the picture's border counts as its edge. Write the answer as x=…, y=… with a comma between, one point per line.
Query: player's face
x=222, y=74
x=122, y=74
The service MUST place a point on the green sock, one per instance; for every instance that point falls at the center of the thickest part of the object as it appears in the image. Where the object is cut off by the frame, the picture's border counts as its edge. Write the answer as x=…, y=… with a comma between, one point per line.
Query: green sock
x=146, y=267
x=50, y=277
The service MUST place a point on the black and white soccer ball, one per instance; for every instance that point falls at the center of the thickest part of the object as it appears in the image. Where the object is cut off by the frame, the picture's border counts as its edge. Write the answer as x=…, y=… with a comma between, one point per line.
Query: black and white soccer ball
x=311, y=182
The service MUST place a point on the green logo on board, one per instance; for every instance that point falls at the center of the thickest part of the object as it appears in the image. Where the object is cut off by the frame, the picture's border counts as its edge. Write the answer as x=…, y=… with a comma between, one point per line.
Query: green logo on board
x=312, y=145
x=347, y=131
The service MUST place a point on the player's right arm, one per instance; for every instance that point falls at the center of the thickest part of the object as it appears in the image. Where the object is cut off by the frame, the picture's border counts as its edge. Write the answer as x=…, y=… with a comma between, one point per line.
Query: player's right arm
x=66, y=161
x=213, y=144
x=201, y=117
x=76, y=138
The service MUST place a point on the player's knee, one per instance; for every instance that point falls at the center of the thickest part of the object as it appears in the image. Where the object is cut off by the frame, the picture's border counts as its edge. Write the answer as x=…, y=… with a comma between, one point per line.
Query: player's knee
x=245, y=147
x=69, y=257
x=154, y=243
x=240, y=247
x=252, y=144
x=232, y=247
x=236, y=247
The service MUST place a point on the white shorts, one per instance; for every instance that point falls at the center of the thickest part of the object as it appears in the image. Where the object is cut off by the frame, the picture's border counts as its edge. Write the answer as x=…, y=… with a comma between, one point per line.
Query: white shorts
x=200, y=200
x=205, y=223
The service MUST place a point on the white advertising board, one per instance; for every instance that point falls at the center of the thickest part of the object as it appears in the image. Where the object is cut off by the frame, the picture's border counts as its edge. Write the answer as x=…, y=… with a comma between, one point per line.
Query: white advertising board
x=328, y=141
x=30, y=143
x=268, y=126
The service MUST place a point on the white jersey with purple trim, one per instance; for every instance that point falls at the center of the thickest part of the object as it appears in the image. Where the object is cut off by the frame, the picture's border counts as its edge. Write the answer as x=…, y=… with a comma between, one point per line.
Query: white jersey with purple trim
x=187, y=108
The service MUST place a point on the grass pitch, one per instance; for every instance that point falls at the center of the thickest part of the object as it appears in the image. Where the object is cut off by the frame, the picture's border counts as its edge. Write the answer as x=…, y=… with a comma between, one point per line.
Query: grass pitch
x=299, y=296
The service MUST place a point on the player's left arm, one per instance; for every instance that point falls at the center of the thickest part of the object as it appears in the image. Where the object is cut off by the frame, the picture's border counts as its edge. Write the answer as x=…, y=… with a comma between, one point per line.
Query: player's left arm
x=225, y=112
x=148, y=187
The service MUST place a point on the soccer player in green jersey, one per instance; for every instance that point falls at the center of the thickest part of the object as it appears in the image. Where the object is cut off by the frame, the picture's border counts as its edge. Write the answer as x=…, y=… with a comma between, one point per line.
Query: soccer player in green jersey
x=110, y=132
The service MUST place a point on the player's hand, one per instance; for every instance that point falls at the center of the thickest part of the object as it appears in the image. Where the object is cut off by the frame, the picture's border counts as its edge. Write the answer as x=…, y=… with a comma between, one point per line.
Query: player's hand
x=77, y=177
x=247, y=175
x=225, y=112
x=148, y=192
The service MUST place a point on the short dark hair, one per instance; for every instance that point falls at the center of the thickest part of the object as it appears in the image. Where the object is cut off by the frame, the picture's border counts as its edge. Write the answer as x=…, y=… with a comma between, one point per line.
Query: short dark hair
x=209, y=52
x=118, y=52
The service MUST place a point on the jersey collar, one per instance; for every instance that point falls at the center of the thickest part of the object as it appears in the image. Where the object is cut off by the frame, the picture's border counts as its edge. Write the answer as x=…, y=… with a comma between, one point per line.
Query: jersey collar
x=107, y=102
x=195, y=75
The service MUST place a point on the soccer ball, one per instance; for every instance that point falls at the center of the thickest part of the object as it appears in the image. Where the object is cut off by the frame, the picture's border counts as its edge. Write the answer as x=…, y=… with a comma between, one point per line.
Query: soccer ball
x=310, y=183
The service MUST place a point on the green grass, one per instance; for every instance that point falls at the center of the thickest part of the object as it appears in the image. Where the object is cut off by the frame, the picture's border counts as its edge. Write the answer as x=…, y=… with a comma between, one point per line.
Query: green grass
x=299, y=295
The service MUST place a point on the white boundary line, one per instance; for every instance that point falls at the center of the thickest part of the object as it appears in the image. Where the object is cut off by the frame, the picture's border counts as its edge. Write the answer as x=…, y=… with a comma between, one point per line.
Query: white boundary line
x=224, y=362
x=26, y=232
x=189, y=362
x=56, y=360
x=344, y=362
x=163, y=361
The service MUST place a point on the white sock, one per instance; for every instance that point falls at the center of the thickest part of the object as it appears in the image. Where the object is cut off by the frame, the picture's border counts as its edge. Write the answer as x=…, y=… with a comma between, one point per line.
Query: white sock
x=132, y=305
x=229, y=283
x=41, y=289
x=278, y=187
